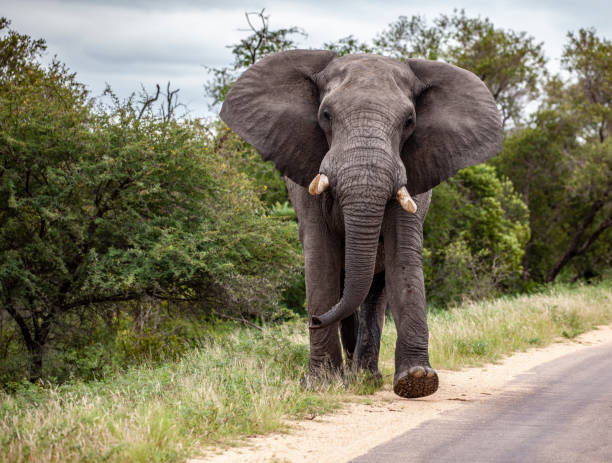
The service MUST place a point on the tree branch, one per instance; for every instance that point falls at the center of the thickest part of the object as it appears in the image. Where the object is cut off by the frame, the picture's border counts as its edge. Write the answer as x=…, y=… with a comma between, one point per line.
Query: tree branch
x=148, y=101
x=241, y=320
x=605, y=225
x=23, y=326
x=128, y=296
x=575, y=249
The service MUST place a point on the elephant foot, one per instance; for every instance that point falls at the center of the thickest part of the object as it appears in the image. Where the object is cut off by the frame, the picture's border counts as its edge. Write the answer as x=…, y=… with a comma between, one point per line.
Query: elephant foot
x=416, y=382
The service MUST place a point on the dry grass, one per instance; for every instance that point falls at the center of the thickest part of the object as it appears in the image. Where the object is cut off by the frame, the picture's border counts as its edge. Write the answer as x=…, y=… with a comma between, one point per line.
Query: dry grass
x=245, y=381
x=480, y=332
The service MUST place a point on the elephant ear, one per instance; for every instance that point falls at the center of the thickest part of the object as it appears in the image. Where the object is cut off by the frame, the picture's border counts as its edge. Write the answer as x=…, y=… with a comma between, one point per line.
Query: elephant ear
x=457, y=124
x=274, y=106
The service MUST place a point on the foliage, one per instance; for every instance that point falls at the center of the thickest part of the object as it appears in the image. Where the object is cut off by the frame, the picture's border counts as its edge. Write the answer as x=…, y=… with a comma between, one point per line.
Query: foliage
x=249, y=50
x=108, y=204
x=241, y=381
x=270, y=186
x=486, y=331
x=239, y=155
x=562, y=165
x=411, y=38
x=510, y=63
x=475, y=233
x=348, y=45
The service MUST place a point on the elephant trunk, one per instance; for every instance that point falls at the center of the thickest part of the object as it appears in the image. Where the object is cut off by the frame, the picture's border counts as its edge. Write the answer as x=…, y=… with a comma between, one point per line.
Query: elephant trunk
x=362, y=224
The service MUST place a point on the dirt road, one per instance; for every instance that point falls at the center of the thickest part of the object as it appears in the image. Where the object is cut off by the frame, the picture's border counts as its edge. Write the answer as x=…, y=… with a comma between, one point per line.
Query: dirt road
x=557, y=412
x=552, y=386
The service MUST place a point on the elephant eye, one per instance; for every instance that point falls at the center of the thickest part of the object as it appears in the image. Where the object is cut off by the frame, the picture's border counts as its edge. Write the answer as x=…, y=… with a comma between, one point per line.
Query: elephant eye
x=326, y=115
x=409, y=120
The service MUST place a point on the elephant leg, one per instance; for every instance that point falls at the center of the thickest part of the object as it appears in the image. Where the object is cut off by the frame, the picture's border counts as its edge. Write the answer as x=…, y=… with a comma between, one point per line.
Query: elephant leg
x=322, y=292
x=403, y=238
x=371, y=318
x=322, y=265
x=349, y=328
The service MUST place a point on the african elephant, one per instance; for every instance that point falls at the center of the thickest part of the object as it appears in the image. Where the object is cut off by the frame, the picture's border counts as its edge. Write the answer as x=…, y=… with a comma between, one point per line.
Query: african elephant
x=362, y=139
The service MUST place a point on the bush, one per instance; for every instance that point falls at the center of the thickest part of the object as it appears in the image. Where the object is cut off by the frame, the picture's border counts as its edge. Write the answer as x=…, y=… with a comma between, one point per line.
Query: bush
x=101, y=204
x=267, y=181
x=475, y=234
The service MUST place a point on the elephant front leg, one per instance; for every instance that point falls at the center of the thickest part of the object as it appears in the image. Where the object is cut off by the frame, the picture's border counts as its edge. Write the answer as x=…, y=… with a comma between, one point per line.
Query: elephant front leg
x=323, y=254
x=414, y=376
x=322, y=263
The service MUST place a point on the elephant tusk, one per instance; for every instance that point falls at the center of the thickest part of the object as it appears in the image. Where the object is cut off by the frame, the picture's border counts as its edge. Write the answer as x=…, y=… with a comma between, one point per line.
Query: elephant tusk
x=318, y=185
x=406, y=200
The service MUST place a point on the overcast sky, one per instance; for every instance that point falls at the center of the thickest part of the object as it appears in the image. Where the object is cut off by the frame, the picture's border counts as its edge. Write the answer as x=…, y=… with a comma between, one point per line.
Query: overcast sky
x=126, y=43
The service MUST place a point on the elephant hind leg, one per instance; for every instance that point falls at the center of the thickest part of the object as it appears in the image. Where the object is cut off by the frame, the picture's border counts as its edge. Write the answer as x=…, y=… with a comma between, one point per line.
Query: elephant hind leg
x=348, y=334
x=371, y=318
x=348, y=330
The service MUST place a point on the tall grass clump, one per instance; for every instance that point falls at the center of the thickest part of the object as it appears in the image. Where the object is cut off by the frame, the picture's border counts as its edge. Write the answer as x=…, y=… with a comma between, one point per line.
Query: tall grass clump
x=479, y=332
x=242, y=381
x=474, y=333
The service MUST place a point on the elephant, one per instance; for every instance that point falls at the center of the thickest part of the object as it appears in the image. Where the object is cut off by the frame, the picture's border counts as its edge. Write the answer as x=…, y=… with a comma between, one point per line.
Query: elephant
x=361, y=140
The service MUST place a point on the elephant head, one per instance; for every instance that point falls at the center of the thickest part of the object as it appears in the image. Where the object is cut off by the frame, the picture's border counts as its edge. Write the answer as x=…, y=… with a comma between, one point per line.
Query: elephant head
x=366, y=130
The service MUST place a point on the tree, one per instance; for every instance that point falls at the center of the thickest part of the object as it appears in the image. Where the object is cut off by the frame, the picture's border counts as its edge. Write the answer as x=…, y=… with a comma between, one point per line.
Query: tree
x=348, y=45
x=562, y=163
x=110, y=204
x=510, y=63
x=589, y=59
x=261, y=42
x=474, y=237
x=588, y=100
x=411, y=38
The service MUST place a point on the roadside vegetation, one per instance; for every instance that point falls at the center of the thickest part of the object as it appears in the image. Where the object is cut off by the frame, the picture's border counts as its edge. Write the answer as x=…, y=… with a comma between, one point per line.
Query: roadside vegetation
x=242, y=381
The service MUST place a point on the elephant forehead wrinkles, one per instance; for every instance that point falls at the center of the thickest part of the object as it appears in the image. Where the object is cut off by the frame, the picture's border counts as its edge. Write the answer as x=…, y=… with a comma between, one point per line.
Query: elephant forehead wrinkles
x=378, y=73
x=378, y=116
x=369, y=104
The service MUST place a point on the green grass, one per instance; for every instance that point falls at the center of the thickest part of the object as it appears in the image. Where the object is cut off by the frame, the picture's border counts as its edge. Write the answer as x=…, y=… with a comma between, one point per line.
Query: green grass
x=240, y=382
x=475, y=333
x=243, y=381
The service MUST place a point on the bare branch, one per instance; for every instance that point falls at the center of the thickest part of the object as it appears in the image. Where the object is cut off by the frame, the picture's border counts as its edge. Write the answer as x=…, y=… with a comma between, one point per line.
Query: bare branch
x=149, y=101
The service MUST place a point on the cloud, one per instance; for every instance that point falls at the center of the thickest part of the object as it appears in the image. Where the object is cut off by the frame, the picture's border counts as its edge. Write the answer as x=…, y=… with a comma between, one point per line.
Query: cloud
x=125, y=43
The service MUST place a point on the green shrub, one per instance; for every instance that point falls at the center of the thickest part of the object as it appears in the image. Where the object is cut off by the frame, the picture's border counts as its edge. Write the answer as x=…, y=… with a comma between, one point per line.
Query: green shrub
x=102, y=204
x=267, y=181
x=475, y=233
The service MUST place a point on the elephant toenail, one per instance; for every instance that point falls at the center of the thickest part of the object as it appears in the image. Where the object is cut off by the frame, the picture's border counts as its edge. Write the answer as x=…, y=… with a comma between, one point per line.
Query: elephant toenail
x=417, y=372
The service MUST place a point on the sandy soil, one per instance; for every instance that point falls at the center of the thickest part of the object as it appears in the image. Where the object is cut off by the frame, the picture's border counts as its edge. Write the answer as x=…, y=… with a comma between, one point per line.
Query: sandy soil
x=357, y=428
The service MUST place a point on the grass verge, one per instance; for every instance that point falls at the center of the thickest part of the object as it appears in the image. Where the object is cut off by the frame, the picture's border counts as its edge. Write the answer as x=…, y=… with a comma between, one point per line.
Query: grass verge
x=245, y=381
x=475, y=333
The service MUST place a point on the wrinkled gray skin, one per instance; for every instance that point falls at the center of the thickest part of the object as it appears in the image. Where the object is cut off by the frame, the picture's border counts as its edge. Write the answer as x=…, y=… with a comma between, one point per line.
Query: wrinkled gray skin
x=371, y=125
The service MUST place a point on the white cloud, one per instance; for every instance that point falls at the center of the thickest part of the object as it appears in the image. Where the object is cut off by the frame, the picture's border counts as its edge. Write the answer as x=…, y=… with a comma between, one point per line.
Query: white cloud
x=149, y=41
